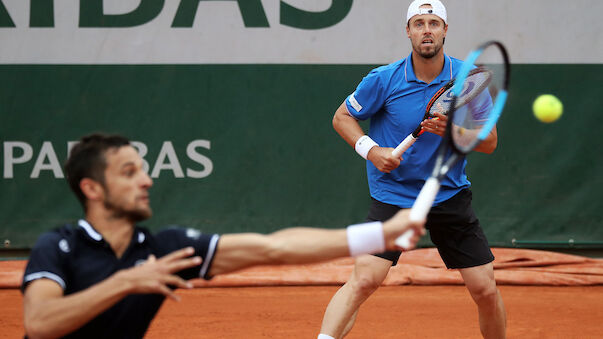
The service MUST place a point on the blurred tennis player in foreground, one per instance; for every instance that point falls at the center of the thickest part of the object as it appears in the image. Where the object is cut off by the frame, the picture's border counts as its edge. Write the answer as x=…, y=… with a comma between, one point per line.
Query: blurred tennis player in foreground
x=394, y=98
x=106, y=277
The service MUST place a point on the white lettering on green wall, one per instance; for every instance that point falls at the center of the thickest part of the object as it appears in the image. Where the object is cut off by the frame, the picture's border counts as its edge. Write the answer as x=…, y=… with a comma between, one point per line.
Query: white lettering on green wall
x=17, y=158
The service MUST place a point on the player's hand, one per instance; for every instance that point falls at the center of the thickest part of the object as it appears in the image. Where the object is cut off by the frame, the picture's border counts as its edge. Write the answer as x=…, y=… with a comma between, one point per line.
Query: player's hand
x=436, y=125
x=398, y=225
x=157, y=275
x=382, y=158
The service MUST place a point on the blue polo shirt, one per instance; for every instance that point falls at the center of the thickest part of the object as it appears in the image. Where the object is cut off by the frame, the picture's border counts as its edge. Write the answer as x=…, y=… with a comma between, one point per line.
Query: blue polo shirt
x=395, y=100
x=77, y=257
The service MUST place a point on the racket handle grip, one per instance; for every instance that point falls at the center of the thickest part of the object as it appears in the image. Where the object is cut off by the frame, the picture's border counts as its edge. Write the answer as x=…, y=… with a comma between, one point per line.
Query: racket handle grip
x=404, y=145
x=420, y=209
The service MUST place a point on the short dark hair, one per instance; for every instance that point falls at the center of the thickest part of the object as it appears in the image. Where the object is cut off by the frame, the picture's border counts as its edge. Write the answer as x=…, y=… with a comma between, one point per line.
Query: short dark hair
x=87, y=160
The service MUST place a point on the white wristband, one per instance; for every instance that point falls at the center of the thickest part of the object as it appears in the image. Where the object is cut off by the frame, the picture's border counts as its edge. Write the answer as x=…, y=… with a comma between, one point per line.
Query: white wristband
x=366, y=238
x=364, y=145
x=324, y=336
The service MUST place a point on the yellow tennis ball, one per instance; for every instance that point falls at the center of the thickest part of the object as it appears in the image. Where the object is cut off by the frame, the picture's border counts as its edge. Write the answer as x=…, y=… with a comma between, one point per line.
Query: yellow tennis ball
x=547, y=108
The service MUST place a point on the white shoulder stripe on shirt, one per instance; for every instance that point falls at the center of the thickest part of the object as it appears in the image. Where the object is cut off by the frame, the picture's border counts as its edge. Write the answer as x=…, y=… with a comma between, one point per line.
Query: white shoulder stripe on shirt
x=47, y=275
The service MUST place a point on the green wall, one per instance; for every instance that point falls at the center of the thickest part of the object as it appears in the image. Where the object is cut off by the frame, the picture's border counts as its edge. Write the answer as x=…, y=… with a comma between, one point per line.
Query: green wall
x=276, y=160
x=543, y=183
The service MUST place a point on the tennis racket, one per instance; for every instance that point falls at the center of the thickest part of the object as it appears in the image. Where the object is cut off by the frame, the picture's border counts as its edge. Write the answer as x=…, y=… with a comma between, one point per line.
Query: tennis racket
x=468, y=125
x=477, y=80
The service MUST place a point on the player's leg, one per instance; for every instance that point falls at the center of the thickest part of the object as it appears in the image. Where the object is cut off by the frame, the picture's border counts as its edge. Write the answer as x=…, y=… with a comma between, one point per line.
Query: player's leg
x=350, y=324
x=482, y=287
x=456, y=231
x=369, y=272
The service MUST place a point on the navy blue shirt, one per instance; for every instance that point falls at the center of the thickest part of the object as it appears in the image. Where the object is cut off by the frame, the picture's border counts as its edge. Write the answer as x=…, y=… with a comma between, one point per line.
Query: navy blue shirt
x=77, y=257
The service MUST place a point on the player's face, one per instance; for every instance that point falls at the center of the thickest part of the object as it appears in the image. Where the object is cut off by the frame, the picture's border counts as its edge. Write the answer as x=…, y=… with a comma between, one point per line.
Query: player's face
x=426, y=33
x=126, y=185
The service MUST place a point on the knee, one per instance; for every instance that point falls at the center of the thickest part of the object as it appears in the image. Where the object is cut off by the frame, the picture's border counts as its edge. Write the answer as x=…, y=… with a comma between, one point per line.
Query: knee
x=486, y=294
x=364, y=285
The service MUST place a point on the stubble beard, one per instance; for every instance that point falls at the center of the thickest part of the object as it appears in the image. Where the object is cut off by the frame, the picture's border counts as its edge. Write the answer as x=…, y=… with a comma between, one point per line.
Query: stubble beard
x=428, y=53
x=133, y=215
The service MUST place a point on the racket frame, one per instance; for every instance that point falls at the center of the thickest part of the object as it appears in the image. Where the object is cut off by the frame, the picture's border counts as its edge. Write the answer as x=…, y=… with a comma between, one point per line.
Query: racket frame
x=427, y=195
x=412, y=137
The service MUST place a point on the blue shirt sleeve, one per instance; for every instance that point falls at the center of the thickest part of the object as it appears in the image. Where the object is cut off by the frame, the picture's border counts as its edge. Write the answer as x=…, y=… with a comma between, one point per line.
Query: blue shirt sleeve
x=481, y=106
x=45, y=260
x=368, y=98
x=205, y=246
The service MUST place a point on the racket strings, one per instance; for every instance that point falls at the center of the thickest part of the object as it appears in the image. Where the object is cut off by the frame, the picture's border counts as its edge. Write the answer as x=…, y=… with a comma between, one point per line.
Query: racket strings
x=473, y=114
x=477, y=80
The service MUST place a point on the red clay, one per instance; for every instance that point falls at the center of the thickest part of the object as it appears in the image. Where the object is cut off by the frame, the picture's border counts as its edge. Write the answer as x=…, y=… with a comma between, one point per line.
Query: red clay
x=392, y=312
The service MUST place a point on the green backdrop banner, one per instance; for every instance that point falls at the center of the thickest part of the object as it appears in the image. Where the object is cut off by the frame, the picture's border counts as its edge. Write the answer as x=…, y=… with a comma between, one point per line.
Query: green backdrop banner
x=235, y=148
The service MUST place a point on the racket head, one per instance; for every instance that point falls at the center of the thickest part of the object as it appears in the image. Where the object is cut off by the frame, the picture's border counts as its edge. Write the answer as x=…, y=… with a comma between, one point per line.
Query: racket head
x=471, y=118
x=437, y=103
x=477, y=79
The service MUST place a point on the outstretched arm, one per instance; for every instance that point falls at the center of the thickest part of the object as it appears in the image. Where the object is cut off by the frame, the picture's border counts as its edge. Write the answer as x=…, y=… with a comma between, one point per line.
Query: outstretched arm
x=305, y=245
x=48, y=313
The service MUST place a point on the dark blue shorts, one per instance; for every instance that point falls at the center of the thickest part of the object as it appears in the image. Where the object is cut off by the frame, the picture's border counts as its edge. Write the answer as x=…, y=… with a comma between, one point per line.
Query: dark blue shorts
x=453, y=228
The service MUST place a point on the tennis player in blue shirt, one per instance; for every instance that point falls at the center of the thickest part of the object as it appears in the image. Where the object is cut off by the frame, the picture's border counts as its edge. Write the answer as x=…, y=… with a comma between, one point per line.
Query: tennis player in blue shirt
x=394, y=97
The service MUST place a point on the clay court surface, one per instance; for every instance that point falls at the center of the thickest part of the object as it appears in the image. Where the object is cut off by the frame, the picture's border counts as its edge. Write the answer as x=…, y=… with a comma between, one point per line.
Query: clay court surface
x=546, y=294
x=392, y=312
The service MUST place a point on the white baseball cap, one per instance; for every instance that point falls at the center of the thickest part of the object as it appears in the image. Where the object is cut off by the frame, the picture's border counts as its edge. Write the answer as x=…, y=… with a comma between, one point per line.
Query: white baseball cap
x=437, y=8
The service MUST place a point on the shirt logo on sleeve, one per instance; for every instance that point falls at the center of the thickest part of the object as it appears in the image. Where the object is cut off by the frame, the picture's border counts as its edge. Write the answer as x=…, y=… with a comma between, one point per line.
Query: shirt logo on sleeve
x=193, y=234
x=64, y=246
x=355, y=103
